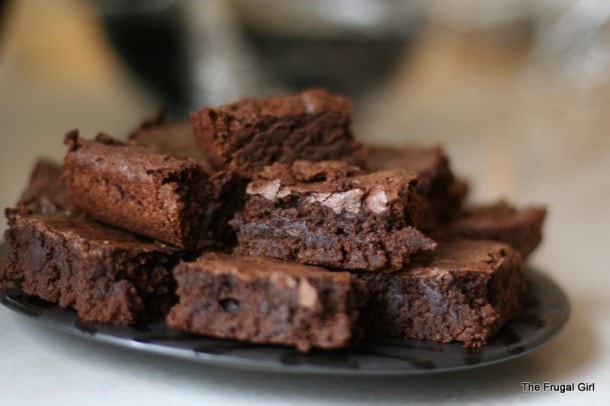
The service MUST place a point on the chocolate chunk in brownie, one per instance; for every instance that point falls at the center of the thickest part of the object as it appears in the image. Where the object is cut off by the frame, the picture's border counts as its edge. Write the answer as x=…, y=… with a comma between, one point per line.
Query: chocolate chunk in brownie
x=105, y=274
x=464, y=291
x=438, y=185
x=332, y=214
x=519, y=228
x=151, y=194
x=265, y=301
x=249, y=134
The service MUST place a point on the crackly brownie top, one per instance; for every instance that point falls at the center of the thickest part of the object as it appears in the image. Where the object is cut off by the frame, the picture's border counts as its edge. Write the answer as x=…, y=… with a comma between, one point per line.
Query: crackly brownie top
x=309, y=102
x=429, y=162
x=109, y=155
x=87, y=234
x=462, y=256
x=248, y=266
x=333, y=184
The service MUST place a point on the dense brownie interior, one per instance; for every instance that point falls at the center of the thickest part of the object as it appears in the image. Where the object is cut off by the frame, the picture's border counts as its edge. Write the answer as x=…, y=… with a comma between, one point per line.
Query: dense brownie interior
x=267, y=301
x=105, y=274
x=464, y=291
x=178, y=140
x=438, y=185
x=330, y=214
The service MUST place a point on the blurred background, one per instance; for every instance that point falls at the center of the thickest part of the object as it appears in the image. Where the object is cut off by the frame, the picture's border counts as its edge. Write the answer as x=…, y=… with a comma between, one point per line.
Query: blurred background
x=517, y=91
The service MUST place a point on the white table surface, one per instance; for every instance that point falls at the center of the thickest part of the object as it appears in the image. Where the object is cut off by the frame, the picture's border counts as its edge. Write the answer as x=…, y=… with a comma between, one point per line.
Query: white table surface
x=567, y=169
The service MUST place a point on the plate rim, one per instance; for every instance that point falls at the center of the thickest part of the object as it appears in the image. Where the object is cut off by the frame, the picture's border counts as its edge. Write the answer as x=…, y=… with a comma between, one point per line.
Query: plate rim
x=222, y=360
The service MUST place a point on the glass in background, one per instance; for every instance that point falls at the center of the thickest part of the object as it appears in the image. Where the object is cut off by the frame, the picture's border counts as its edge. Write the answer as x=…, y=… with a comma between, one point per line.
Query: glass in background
x=195, y=53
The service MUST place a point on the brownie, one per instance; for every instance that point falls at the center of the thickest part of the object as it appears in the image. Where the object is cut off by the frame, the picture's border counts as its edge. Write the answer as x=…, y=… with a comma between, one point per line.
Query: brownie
x=175, y=139
x=105, y=274
x=463, y=291
x=45, y=193
x=252, y=133
x=265, y=301
x=178, y=140
x=520, y=228
x=332, y=214
x=151, y=194
x=438, y=184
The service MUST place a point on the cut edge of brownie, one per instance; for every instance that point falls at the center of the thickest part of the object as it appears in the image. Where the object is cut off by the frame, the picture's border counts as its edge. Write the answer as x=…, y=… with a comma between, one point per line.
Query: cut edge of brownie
x=178, y=141
x=265, y=301
x=464, y=291
x=154, y=195
x=332, y=216
x=439, y=186
x=104, y=274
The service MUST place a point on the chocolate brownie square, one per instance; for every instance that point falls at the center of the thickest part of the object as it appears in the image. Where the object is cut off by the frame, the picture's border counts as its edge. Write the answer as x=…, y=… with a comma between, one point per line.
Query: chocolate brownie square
x=250, y=134
x=438, y=184
x=463, y=291
x=332, y=214
x=106, y=275
x=45, y=193
x=265, y=301
x=519, y=228
x=151, y=194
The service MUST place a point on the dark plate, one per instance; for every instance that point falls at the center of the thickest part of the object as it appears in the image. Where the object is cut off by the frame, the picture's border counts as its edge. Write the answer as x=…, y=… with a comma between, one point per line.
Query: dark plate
x=546, y=310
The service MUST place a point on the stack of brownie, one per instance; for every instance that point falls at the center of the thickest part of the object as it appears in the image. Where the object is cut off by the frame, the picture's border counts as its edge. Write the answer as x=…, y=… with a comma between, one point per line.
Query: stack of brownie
x=265, y=221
